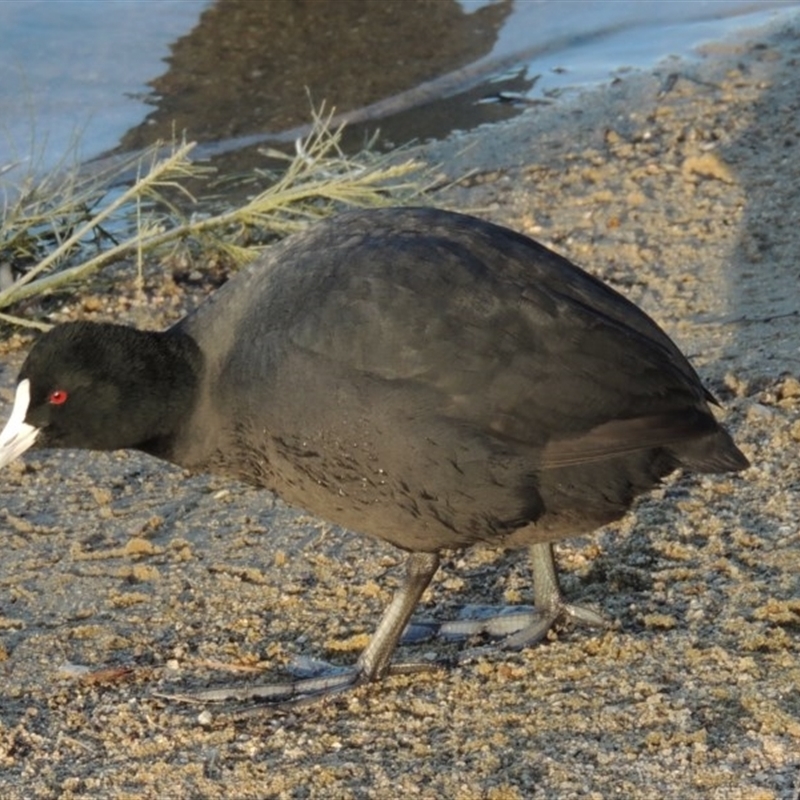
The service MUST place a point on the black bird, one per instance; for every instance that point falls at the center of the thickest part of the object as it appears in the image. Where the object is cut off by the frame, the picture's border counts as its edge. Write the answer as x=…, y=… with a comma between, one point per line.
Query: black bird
x=417, y=375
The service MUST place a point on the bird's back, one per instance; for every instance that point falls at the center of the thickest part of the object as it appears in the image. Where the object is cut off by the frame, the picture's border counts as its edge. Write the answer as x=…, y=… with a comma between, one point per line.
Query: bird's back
x=433, y=378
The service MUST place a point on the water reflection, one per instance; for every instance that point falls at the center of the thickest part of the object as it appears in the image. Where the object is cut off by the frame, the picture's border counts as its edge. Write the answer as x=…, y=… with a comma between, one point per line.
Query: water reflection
x=75, y=68
x=251, y=67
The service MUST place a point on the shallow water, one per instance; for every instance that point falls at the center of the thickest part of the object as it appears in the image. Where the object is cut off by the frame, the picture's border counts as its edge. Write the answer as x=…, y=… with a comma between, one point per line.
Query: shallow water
x=82, y=78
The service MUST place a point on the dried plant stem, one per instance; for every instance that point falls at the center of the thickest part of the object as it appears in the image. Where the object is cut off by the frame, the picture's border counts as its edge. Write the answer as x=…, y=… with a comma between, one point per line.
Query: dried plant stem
x=25, y=286
x=317, y=178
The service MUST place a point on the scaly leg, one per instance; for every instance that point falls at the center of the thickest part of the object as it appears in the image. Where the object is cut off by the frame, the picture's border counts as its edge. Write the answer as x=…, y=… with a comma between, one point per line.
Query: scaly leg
x=374, y=663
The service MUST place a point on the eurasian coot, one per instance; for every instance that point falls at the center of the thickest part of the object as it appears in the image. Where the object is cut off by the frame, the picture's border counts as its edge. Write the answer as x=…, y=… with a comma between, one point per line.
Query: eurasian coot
x=417, y=375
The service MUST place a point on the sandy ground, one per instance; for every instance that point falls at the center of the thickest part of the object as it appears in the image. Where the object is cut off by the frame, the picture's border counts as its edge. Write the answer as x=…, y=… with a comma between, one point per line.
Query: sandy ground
x=122, y=578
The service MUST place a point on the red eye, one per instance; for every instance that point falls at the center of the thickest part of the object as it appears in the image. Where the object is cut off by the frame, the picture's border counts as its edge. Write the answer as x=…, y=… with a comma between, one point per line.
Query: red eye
x=57, y=397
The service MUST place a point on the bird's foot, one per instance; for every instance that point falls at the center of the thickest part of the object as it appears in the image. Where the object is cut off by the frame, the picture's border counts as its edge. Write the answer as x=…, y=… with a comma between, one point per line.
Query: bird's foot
x=312, y=680
x=516, y=627
x=318, y=679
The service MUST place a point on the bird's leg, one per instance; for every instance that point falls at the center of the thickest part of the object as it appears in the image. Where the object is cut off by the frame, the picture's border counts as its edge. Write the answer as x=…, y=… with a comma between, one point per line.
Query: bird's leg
x=373, y=664
x=374, y=661
x=516, y=626
x=548, y=601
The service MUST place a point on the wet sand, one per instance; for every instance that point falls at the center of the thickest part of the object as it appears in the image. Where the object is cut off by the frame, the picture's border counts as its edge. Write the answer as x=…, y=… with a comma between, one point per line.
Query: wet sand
x=123, y=578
